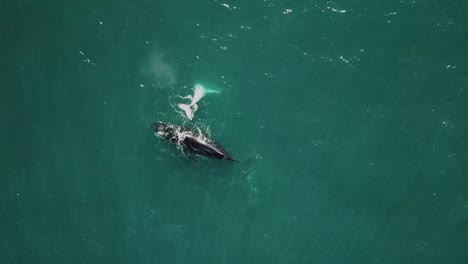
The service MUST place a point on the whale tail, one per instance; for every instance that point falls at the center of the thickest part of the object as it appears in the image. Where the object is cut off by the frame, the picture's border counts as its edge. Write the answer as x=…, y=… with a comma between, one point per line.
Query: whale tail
x=188, y=111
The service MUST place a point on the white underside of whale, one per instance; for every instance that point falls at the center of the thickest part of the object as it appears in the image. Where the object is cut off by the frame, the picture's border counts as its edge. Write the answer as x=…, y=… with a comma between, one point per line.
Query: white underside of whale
x=190, y=109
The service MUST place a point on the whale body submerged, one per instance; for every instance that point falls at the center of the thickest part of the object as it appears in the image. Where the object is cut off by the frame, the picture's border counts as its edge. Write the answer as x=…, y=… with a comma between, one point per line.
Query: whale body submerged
x=191, y=142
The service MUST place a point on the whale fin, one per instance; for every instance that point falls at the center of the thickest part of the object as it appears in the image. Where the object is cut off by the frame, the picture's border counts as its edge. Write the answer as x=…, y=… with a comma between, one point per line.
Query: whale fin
x=187, y=110
x=232, y=159
x=187, y=97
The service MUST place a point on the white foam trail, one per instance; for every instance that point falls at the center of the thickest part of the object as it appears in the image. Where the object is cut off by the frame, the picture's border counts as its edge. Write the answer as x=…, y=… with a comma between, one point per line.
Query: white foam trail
x=211, y=91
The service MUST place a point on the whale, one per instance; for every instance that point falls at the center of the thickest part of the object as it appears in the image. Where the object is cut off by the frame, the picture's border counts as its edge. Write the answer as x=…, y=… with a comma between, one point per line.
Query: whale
x=190, y=142
x=191, y=108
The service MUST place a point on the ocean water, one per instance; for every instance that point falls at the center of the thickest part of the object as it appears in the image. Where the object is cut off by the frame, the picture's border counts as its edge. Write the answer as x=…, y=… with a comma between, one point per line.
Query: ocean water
x=349, y=119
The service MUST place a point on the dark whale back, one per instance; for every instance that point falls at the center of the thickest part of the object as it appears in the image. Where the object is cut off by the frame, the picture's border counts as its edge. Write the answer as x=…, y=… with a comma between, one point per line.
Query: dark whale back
x=206, y=147
x=190, y=141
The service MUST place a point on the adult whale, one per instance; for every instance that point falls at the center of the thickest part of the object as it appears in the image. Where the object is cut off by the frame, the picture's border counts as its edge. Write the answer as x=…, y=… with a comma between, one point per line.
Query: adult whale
x=191, y=142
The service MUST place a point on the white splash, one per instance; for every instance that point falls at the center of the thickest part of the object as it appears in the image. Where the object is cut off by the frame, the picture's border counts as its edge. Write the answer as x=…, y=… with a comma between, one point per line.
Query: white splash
x=86, y=59
x=336, y=10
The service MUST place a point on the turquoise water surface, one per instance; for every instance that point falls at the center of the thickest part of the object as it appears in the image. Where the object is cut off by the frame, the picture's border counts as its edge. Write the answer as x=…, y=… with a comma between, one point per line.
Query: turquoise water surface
x=348, y=118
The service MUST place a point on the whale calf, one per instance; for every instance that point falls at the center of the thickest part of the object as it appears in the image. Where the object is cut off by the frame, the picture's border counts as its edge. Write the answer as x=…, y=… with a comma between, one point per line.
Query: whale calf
x=191, y=142
x=190, y=109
